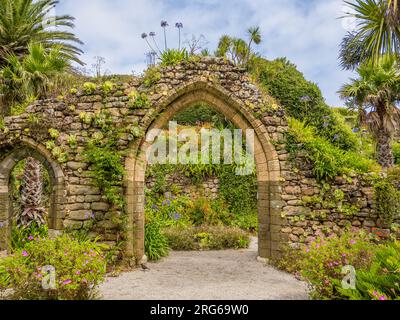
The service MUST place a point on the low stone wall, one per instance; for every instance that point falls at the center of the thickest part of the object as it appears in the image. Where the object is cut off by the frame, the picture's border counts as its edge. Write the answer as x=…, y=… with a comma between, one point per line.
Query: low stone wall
x=311, y=208
x=209, y=187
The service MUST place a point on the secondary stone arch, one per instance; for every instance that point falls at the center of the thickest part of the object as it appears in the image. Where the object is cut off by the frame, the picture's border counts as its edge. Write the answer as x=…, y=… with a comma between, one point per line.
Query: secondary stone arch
x=21, y=150
x=267, y=163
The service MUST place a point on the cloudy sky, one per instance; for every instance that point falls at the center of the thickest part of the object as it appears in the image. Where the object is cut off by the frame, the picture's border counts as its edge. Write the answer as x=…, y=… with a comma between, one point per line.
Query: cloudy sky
x=307, y=32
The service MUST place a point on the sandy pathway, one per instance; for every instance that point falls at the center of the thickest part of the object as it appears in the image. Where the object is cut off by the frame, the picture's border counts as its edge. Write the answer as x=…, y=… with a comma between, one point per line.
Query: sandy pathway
x=211, y=275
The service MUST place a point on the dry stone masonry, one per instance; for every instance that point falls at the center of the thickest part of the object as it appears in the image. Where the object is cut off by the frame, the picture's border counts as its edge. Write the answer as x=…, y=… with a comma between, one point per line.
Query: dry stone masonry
x=292, y=205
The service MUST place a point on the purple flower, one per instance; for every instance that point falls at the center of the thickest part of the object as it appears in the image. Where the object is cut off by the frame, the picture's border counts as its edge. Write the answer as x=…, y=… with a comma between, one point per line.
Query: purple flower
x=144, y=35
x=179, y=25
x=68, y=281
x=166, y=203
x=31, y=238
x=152, y=34
x=154, y=207
x=1, y=224
x=177, y=216
x=25, y=254
x=164, y=24
x=78, y=273
x=356, y=130
x=382, y=298
x=352, y=241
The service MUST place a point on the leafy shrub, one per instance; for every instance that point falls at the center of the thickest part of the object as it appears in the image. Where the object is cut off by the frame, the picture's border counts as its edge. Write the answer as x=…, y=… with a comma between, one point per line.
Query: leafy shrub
x=89, y=87
x=108, y=170
x=322, y=262
x=387, y=196
x=248, y=222
x=206, y=238
x=21, y=236
x=202, y=211
x=396, y=152
x=79, y=268
x=302, y=99
x=151, y=77
x=381, y=281
x=173, y=57
x=328, y=160
x=168, y=211
x=201, y=113
x=107, y=86
x=156, y=244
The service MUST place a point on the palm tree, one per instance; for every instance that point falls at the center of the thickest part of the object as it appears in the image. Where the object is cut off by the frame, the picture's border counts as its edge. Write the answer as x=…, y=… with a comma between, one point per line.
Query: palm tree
x=26, y=21
x=376, y=93
x=37, y=73
x=237, y=49
x=255, y=37
x=378, y=32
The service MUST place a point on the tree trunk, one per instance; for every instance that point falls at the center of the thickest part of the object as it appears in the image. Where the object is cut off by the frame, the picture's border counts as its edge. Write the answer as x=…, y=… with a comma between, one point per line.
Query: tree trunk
x=31, y=195
x=384, y=150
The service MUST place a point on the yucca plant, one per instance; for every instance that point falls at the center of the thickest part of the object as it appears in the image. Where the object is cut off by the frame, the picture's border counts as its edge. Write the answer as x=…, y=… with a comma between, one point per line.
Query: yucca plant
x=32, y=209
x=376, y=93
x=26, y=21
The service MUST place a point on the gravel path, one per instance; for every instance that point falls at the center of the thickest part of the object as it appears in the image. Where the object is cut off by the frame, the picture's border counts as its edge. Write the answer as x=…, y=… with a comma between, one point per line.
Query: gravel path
x=209, y=275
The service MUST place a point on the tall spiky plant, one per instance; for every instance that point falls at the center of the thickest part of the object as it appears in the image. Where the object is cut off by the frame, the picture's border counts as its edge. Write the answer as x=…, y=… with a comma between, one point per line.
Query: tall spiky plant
x=179, y=25
x=32, y=209
x=26, y=21
x=376, y=93
x=164, y=25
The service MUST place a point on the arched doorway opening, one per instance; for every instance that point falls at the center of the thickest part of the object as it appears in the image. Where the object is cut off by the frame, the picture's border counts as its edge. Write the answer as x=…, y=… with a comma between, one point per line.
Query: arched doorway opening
x=266, y=160
x=56, y=188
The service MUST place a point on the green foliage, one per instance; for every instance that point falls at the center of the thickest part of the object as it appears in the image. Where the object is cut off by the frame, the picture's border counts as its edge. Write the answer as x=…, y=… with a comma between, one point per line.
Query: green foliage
x=89, y=88
x=139, y=100
x=206, y=238
x=168, y=212
x=376, y=32
x=28, y=21
x=79, y=268
x=54, y=134
x=328, y=160
x=107, y=87
x=73, y=142
x=301, y=99
x=151, y=76
x=201, y=113
x=22, y=235
x=155, y=242
x=173, y=57
x=396, y=152
x=381, y=281
x=387, y=196
x=108, y=170
x=86, y=118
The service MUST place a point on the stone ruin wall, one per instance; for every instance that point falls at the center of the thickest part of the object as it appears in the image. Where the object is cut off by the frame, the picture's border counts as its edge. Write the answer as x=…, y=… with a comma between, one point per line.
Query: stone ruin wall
x=77, y=201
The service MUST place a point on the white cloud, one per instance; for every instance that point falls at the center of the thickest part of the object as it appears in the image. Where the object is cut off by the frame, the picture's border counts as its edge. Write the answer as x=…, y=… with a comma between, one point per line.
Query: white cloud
x=306, y=32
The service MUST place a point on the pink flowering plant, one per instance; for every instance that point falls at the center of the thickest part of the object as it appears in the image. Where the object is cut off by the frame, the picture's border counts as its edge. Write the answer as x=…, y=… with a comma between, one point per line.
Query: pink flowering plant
x=381, y=281
x=79, y=268
x=324, y=258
